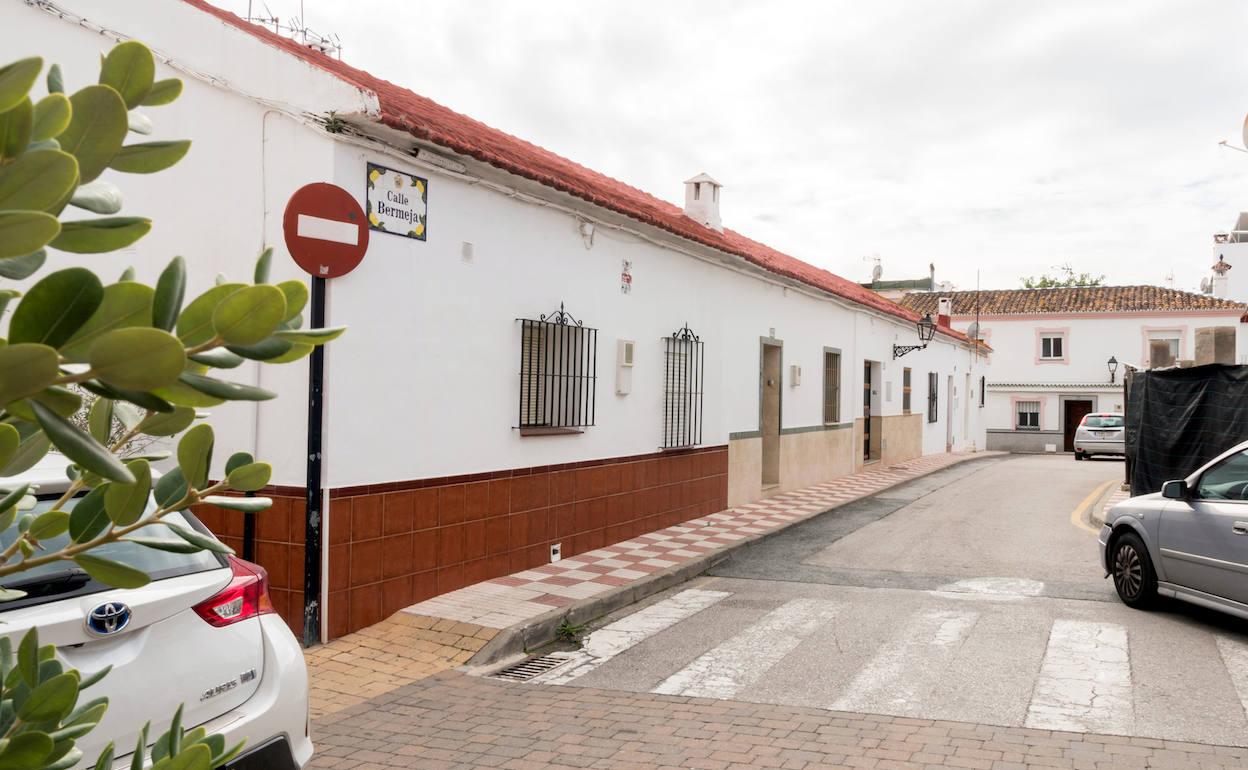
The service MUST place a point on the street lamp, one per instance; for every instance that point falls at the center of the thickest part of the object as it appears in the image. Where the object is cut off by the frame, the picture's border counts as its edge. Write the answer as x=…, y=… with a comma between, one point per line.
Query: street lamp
x=927, y=330
x=1112, y=363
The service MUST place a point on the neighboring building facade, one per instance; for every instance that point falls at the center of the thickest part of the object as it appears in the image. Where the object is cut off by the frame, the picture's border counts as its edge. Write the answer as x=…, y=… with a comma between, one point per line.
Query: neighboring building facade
x=1051, y=350
x=540, y=356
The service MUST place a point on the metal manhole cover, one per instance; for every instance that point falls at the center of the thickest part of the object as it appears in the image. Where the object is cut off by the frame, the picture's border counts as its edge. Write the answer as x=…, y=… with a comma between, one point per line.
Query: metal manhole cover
x=527, y=669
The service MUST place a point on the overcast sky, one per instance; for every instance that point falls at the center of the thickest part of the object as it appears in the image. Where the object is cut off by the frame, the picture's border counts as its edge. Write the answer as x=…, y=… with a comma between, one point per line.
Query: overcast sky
x=994, y=135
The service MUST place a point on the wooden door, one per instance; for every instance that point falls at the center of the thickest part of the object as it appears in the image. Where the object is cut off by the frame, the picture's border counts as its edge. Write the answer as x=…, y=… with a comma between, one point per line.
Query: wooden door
x=1075, y=410
x=866, y=410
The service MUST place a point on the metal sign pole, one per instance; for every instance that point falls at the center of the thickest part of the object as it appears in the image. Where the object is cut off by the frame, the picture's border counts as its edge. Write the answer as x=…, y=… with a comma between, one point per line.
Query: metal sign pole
x=316, y=412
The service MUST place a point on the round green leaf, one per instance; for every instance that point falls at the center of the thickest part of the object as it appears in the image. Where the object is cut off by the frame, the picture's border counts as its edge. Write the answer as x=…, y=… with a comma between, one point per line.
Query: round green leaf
x=49, y=524
x=32, y=449
x=125, y=305
x=203, y=542
x=263, y=265
x=56, y=307
x=98, y=197
x=100, y=419
x=19, y=269
x=79, y=447
x=244, y=504
x=16, y=126
x=296, y=293
x=26, y=750
x=124, y=503
x=131, y=69
x=38, y=180
x=170, y=290
x=163, y=544
x=250, y=477
x=96, y=129
x=195, y=455
x=88, y=518
x=163, y=92
x=149, y=157
x=96, y=236
x=264, y=350
x=170, y=489
x=297, y=352
x=112, y=573
x=250, y=314
x=52, y=700
x=181, y=394
x=63, y=401
x=238, y=460
x=310, y=336
x=16, y=80
x=52, y=114
x=23, y=232
x=9, y=441
x=25, y=369
x=195, y=323
x=137, y=358
x=218, y=358
x=168, y=423
x=228, y=391
x=56, y=84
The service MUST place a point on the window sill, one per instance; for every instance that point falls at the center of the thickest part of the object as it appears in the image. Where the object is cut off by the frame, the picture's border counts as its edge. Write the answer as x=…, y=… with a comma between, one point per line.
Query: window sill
x=550, y=431
x=1052, y=360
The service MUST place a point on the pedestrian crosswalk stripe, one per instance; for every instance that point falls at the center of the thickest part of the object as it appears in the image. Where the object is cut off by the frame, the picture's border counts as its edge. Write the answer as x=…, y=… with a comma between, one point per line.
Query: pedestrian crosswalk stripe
x=739, y=662
x=607, y=642
x=908, y=667
x=1235, y=658
x=1085, y=680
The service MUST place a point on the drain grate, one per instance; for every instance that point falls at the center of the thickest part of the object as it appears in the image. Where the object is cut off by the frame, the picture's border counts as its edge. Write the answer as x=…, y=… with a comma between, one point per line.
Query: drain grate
x=527, y=669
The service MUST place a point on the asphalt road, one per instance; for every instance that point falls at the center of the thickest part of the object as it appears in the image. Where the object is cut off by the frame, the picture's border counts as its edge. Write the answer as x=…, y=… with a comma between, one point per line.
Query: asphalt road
x=968, y=595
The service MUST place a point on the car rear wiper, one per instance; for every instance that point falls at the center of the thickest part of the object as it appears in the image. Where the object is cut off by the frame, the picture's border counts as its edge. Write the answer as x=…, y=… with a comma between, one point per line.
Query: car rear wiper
x=50, y=585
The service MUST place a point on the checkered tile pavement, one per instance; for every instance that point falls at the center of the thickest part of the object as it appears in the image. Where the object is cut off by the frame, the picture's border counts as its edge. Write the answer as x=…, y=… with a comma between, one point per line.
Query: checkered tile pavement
x=1115, y=497
x=506, y=601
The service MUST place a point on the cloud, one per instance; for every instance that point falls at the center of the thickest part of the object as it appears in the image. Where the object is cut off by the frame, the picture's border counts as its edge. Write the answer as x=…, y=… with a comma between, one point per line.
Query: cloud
x=998, y=136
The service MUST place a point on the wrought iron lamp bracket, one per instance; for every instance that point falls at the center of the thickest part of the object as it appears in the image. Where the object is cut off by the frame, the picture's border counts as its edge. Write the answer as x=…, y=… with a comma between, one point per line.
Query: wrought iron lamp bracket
x=901, y=350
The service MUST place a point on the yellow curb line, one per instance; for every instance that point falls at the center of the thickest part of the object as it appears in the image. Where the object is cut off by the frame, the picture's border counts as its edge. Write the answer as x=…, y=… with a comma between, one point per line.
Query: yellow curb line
x=1076, y=516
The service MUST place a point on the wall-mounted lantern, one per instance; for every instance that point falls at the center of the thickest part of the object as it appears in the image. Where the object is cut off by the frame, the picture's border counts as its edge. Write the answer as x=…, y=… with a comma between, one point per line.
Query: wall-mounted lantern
x=927, y=330
x=1112, y=363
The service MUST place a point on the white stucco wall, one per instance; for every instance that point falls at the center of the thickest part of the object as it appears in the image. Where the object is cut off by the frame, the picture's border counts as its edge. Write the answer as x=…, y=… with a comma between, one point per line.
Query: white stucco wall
x=425, y=383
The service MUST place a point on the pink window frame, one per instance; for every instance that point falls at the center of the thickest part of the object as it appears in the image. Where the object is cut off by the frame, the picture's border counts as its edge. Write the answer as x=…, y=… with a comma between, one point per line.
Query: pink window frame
x=1014, y=412
x=1064, y=333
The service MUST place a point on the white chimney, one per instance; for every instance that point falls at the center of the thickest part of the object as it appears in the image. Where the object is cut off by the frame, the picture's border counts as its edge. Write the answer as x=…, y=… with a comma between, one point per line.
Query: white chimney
x=944, y=311
x=702, y=201
x=1220, y=281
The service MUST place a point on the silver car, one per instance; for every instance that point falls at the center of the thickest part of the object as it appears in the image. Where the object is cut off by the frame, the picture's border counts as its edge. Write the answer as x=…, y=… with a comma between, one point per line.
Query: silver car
x=1099, y=433
x=1188, y=541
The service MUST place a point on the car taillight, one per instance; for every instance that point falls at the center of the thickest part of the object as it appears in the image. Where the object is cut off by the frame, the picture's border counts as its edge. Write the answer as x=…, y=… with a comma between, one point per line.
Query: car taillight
x=247, y=596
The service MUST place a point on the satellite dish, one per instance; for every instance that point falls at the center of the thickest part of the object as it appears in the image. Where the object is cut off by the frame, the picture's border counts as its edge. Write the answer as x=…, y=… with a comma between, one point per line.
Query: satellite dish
x=972, y=331
x=1206, y=285
x=1246, y=130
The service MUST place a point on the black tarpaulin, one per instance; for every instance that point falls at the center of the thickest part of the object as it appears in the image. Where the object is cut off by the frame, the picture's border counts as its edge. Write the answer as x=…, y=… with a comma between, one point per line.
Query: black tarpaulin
x=1179, y=419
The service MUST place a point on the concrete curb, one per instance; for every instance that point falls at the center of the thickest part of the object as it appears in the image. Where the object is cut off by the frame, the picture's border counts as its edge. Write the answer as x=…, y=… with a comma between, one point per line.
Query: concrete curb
x=1096, y=514
x=514, y=641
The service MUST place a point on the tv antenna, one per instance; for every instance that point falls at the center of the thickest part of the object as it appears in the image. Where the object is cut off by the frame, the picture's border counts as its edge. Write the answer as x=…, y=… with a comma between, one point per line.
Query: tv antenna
x=296, y=29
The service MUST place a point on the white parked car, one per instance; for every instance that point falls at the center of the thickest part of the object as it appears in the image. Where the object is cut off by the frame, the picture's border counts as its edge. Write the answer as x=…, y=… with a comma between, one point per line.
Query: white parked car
x=202, y=634
x=1100, y=433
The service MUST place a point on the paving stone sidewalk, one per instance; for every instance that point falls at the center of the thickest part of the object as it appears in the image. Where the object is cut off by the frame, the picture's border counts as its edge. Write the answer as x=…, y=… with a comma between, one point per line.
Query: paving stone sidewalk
x=456, y=722
x=445, y=632
x=507, y=601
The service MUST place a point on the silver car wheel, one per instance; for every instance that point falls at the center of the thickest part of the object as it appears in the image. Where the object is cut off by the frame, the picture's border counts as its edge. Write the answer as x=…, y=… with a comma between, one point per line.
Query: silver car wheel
x=1128, y=571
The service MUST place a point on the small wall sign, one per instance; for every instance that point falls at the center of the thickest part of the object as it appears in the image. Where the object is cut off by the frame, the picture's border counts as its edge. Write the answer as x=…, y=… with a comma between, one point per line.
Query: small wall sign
x=398, y=203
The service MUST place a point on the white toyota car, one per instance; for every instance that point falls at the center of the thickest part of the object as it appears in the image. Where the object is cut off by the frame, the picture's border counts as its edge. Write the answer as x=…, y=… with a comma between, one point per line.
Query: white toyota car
x=202, y=634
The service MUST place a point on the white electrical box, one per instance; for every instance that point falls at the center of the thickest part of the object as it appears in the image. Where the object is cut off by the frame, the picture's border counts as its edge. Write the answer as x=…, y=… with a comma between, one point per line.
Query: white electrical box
x=556, y=552
x=625, y=352
x=795, y=375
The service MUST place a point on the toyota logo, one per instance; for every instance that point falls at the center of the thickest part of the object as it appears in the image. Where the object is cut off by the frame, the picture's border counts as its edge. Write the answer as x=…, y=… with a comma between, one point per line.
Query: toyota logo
x=108, y=618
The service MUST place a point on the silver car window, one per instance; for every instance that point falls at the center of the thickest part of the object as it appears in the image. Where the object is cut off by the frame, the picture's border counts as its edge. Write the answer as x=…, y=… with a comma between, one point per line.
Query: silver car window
x=1228, y=480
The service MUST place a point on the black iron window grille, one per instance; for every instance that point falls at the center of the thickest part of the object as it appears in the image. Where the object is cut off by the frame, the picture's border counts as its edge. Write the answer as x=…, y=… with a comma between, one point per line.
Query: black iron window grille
x=558, y=372
x=684, y=358
x=983, y=388
x=933, y=396
x=905, y=391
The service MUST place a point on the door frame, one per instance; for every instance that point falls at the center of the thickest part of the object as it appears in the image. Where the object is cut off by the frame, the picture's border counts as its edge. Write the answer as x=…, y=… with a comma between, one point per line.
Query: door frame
x=1063, y=403
x=763, y=344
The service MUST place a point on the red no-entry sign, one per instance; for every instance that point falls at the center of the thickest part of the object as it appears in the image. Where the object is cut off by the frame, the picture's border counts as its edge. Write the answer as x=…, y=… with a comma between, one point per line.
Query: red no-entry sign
x=325, y=228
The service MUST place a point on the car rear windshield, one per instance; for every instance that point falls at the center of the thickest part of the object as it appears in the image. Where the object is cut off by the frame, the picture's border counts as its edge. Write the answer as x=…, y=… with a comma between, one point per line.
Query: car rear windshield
x=1106, y=421
x=62, y=579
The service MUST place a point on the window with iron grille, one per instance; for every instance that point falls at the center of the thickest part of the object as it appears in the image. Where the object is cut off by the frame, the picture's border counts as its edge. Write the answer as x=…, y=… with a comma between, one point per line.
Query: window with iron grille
x=558, y=372
x=683, y=358
x=983, y=388
x=905, y=390
x=1028, y=415
x=831, y=386
x=933, y=398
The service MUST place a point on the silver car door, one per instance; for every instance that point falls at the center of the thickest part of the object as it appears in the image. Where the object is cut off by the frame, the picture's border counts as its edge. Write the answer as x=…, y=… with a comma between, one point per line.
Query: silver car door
x=1204, y=540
